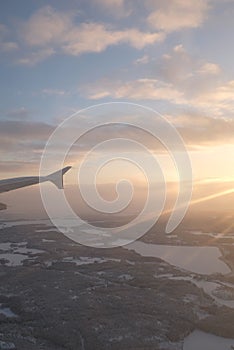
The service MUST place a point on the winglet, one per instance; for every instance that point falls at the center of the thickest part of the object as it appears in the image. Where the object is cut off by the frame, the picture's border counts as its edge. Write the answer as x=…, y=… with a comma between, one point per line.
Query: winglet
x=57, y=177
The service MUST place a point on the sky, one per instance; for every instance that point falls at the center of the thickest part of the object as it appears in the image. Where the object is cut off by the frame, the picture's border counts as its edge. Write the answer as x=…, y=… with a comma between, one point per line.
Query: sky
x=176, y=56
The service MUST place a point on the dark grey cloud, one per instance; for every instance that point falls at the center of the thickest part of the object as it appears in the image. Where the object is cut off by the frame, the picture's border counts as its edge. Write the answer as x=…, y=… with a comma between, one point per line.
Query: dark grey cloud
x=14, y=167
x=24, y=130
x=21, y=144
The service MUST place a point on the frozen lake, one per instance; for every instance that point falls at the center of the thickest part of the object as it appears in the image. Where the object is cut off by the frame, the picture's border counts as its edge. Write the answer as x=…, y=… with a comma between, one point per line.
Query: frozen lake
x=201, y=260
x=16, y=253
x=200, y=340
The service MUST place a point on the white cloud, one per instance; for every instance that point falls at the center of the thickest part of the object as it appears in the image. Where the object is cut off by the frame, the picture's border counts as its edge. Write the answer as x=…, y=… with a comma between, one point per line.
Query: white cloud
x=210, y=68
x=142, y=60
x=141, y=89
x=219, y=97
x=179, y=49
x=199, y=129
x=177, y=14
x=46, y=26
x=51, y=92
x=53, y=31
x=179, y=78
x=176, y=66
x=192, y=75
x=94, y=37
x=201, y=82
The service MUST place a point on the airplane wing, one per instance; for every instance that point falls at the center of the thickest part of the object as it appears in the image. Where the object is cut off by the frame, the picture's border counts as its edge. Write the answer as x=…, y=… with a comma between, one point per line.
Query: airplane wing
x=18, y=182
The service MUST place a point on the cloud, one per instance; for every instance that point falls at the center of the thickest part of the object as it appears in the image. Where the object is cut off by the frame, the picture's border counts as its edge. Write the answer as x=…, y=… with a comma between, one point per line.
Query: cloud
x=201, y=82
x=49, y=31
x=46, y=26
x=35, y=57
x=20, y=135
x=22, y=141
x=21, y=130
x=20, y=113
x=6, y=45
x=176, y=66
x=192, y=76
x=94, y=37
x=14, y=167
x=177, y=77
x=54, y=92
x=210, y=68
x=118, y=8
x=219, y=98
x=175, y=15
x=197, y=130
x=179, y=66
x=141, y=89
x=201, y=130
x=142, y=60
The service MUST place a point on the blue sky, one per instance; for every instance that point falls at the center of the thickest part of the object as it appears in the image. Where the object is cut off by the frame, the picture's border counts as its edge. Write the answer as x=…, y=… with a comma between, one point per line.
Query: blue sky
x=57, y=57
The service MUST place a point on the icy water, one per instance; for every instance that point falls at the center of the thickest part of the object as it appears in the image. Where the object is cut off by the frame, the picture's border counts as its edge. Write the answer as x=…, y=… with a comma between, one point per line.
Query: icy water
x=16, y=253
x=200, y=340
x=201, y=260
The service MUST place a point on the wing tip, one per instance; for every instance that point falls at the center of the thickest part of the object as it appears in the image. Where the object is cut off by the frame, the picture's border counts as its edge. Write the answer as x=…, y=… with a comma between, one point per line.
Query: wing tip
x=66, y=169
x=57, y=177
